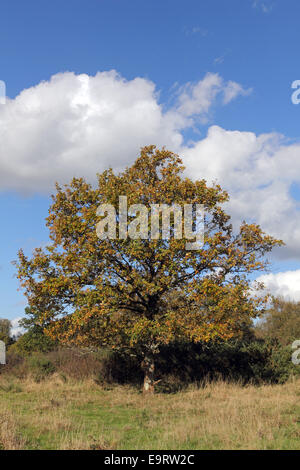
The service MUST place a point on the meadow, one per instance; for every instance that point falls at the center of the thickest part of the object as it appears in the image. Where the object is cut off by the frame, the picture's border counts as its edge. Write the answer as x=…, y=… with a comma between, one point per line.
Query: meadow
x=62, y=413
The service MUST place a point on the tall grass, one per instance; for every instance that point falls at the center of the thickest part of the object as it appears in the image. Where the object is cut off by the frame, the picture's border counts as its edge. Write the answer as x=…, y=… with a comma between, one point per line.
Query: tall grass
x=61, y=413
x=10, y=438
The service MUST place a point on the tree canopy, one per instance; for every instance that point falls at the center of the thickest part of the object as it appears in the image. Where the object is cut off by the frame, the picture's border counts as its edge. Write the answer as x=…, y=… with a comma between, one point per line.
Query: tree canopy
x=5, y=331
x=118, y=292
x=281, y=321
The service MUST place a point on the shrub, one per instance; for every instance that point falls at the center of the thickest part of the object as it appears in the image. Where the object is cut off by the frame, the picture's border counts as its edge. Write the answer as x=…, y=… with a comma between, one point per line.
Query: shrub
x=34, y=340
x=40, y=367
x=256, y=361
x=246, y=361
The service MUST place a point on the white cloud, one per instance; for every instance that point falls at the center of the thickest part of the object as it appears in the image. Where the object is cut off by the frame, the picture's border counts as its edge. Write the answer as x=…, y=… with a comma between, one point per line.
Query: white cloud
x=232, y=90
x=285, y=284
x=78, y=125
x=266, y=6
x=258, y=172
x=198, y=98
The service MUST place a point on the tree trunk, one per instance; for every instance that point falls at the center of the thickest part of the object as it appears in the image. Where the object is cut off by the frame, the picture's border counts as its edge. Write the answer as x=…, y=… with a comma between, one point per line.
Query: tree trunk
x=148, y=368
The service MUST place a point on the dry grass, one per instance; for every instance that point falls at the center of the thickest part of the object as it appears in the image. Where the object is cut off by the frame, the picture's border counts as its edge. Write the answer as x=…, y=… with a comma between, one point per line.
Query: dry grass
x=230, y=417
x=59, y=414
x=9, y=437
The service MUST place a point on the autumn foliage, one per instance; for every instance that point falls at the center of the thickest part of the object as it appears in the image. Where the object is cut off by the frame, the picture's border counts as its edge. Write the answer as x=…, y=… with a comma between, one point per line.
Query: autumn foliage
x=139, y=294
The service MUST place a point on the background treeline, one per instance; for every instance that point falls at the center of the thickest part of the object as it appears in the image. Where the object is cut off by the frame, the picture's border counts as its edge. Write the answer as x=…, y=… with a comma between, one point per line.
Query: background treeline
x=260, y=354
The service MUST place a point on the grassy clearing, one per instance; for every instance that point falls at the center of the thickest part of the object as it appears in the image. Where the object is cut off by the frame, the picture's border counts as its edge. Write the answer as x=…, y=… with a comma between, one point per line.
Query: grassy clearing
x=64, y=414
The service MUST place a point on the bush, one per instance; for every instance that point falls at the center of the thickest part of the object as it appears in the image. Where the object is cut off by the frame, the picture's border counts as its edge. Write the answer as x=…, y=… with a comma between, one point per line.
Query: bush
x=34, y=340
x=6, y=339
x=119, y=368
x=257, y=361
x=177, y=365
x=40, y=367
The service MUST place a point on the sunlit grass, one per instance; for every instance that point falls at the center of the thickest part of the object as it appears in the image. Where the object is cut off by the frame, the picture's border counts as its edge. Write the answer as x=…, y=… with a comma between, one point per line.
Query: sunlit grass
x=59, y=414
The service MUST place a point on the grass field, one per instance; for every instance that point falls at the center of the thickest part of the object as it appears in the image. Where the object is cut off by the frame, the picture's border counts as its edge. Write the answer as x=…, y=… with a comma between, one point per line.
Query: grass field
x=62, y=414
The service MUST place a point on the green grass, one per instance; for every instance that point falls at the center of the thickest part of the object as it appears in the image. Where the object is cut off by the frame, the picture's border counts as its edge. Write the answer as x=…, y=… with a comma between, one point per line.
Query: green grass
x=59, y=414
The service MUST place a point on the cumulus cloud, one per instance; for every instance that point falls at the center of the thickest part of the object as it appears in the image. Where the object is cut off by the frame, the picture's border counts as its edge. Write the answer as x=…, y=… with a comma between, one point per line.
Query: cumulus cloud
x=285, y=284
x=77, y=125
x=197, y=98
x=258, y=172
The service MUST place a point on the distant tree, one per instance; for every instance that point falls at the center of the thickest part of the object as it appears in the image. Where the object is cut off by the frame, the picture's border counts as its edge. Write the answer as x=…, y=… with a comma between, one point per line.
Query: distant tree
x=34, y=339
x=31, y=319
x=5, y=326
x=5, y=331
x=114, y=292
x=281, y=321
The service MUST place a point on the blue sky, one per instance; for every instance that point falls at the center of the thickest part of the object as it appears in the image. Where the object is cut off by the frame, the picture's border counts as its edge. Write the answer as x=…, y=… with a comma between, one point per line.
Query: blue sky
x=171, y=45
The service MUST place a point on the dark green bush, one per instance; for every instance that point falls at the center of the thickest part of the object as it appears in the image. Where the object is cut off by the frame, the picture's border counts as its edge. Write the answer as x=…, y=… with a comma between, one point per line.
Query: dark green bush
x=177, y=365
x=256, y=361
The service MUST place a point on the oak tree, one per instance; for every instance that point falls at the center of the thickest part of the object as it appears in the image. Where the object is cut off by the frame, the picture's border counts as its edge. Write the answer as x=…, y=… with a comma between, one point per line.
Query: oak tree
x=119, y=292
